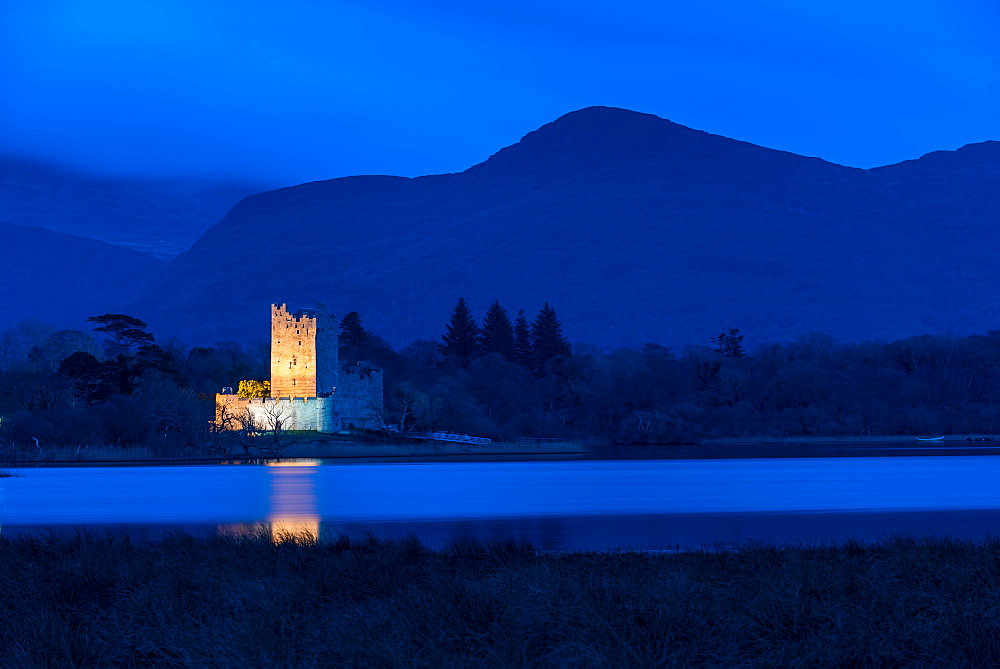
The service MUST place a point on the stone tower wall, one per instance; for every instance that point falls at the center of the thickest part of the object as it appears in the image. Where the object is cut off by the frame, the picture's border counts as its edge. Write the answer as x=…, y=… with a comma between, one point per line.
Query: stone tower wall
x=327, y=353
x=293, y=354
x=304, y=360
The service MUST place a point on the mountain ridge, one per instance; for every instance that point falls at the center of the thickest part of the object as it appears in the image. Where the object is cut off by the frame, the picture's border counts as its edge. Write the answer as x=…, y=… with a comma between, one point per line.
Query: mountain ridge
x=633, y=234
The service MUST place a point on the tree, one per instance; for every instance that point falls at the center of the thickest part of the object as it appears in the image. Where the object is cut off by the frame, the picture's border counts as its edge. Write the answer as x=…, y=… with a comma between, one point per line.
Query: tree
x=127, y=332
x=523, y=352
x=273, y=421
x=351, y=330
x=547, y=340
x=461, y=338
x=497, y=333
x=151, y=356
x=729, y=344
x=59, y=345
x=252, y=388
x=354, y=340
x=409, y=404
x=91, y=378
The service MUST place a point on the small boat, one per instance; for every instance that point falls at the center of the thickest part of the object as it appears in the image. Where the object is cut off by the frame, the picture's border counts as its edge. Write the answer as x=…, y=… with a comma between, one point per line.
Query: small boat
x=941, y=438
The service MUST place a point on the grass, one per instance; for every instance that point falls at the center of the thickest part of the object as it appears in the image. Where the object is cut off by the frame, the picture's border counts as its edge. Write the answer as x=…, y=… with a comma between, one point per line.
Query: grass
x=297, y=444
x=91, y=453
x=232, y=601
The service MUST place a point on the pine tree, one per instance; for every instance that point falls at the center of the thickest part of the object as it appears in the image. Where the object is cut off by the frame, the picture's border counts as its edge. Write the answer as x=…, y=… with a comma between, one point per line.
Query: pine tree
x=129, y=334
x=729, y=343
x=461, y=338
x=353, y=339
x=523, y=352
x=497, y=333
x=351, y=330
x=547, y=338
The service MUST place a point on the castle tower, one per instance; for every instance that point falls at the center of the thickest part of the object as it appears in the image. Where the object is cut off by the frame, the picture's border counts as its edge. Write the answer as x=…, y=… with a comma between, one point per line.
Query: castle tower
x=304, y=358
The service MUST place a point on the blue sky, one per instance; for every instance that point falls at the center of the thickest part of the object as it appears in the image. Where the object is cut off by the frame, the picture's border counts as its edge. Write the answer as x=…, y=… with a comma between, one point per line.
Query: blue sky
x=300, y=90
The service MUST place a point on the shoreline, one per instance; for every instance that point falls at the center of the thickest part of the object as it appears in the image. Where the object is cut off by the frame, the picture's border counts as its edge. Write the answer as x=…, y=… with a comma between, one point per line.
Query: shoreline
x=303, y=447
x=317, y=449
x=848, y=439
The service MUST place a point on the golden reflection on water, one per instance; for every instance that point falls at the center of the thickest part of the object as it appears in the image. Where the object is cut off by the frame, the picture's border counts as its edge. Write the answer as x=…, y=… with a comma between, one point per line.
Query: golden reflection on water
x=293, y=506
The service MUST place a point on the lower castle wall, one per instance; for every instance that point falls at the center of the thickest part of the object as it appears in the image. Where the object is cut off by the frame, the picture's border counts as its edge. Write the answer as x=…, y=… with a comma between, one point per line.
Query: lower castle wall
x=359, y=397
x=357, y=402
x=298, y=413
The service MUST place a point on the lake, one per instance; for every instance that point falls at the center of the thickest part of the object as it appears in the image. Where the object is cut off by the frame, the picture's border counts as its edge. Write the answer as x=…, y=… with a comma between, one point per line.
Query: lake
x=597, y=502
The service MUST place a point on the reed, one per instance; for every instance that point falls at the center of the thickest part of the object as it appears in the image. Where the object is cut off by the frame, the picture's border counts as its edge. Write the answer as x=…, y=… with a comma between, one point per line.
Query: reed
x=255, y=601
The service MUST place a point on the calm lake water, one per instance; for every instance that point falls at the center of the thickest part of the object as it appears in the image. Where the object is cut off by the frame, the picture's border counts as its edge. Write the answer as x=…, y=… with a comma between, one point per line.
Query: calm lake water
x=665, y=498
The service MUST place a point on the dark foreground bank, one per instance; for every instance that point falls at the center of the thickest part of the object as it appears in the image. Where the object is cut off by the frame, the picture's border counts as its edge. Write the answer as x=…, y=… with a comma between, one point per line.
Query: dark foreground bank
x=250, y=602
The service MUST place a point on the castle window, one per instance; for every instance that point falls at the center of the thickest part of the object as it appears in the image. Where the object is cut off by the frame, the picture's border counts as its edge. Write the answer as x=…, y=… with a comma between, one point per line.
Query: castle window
x=293, y=382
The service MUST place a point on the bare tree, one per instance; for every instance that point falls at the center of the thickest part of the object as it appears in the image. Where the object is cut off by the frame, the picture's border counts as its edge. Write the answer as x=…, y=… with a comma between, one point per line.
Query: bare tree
x=410, y=404
x=248, y=428
x=274, y=418
x=181, y=419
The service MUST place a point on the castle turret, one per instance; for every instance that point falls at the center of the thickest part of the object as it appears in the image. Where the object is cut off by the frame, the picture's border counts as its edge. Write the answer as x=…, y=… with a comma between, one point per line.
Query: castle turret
x=304, y=358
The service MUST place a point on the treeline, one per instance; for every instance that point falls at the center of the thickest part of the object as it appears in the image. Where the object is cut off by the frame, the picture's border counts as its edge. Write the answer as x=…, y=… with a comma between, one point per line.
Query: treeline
x=114, y=386
x=506, y=378
x=474, y=380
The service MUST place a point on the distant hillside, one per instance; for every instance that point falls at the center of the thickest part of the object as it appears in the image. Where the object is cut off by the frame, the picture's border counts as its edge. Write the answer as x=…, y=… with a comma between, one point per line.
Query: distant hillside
x=63, y=279
x=160, y=217
x=636, y=229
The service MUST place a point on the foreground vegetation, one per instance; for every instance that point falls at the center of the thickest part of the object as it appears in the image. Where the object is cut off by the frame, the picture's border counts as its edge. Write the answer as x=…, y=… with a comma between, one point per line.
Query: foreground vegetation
x=231, y=601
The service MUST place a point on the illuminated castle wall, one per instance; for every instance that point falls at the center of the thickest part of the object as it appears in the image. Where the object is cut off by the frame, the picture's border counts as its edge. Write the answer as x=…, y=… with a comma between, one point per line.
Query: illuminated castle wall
x=309, y=391
x=304, y=358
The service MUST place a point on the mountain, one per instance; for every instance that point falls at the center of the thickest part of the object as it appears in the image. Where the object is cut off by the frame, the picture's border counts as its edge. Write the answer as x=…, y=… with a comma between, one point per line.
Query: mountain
x=161, y=217
x=63, y=279
x=635, y=228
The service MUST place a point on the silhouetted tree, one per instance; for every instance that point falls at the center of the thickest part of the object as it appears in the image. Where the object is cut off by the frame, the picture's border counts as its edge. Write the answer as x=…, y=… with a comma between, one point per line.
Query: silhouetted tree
x=729, y=343
x=353, y=339
x=497, y=333
x=461, y=338
x=91, y=378
x=523, y=352
x=547, y=340
x=152, y=356
x=59, y=345
x=127, y=332
x=351, y=330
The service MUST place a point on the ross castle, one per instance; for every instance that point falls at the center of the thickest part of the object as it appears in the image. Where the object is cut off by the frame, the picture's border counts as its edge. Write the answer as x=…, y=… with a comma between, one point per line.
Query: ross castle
x=309, y=390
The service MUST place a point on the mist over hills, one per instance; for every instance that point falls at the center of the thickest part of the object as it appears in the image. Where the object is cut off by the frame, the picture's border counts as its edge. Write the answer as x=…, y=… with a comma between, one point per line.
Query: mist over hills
x=635, y=228
x=62, y=279
x=158, y=216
